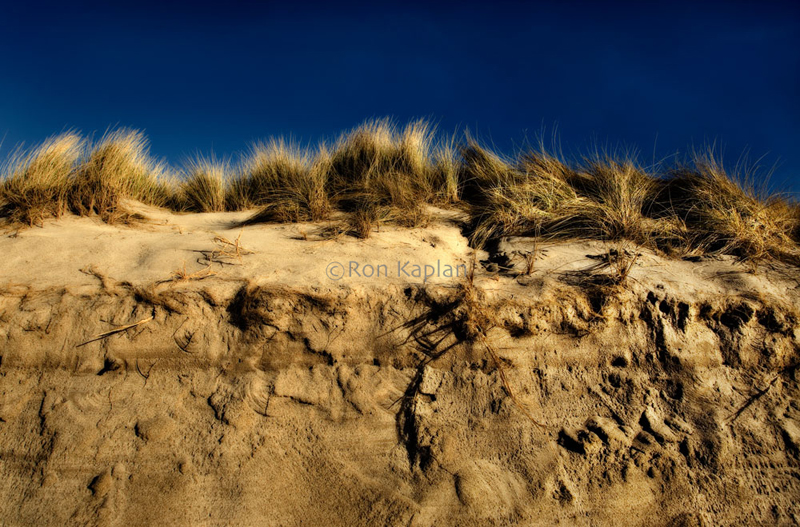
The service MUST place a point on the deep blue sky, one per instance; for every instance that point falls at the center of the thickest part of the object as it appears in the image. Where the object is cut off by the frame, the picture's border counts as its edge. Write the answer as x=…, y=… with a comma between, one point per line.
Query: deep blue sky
x=203, y=77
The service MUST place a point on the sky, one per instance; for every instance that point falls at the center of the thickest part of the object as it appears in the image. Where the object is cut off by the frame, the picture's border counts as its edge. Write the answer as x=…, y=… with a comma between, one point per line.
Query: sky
x=214, y=77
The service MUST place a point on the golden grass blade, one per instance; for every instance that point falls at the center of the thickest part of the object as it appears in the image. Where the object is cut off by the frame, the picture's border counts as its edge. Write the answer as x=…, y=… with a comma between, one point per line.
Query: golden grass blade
x=107, y=334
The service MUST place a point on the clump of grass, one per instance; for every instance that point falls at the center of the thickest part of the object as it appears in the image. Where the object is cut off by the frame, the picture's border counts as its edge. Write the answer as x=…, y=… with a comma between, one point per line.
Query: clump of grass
x=531, y=196
x=364, y=152
x=363, y=220
x=618, y=193
x=727, y=214
x=119, y=167
x=446, y=177
x=380, y=173
x=36, y=182
x=203, y=188
x=614, y=267
x=483, y=169
x=540, y=194
x=286, y=181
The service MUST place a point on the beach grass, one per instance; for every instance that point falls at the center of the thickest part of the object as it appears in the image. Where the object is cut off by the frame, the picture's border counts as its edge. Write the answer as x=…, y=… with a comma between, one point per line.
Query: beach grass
x=36, y=182
x=380, y=172
x=204, y=185
x=119, y=167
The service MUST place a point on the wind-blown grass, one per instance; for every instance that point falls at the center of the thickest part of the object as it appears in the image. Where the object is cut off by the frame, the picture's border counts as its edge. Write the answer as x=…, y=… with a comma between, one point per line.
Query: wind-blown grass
x=446, y=177
x=380, y=172
x=289, y=183
x=203, y=188
x=726, y=213
x=36, y=182
x=119, y=167
x=694, y=208
x=531, y=197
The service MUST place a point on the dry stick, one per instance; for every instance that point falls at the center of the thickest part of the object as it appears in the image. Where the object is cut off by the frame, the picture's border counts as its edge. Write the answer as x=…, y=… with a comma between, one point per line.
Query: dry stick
x=181, y=275
x=115, y=331
x=758, y=395
x=506, y=386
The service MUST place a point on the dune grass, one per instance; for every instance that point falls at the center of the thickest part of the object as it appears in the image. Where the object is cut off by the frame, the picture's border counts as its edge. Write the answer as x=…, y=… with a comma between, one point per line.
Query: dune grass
x=288, y=182
x=697, y=207
x=532, y=196
x=380, y=172
x=727, y=213
x=204, y=185
x=605, y=197
x=119, y=167
x=36, y=182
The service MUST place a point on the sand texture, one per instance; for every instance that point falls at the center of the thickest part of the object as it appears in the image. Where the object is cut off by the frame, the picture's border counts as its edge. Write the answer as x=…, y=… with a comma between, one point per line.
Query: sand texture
x=251, y=389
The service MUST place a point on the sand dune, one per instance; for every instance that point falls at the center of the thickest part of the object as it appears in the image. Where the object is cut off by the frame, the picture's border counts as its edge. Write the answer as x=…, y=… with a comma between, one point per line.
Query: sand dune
x=258, y=389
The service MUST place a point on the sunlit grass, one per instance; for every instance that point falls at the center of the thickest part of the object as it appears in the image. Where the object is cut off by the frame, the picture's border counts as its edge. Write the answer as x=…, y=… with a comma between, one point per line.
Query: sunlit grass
x=36, y=182
x=204, y=185
x=727, y=212
x=380, y=173
x=119, y=167
x=288, y=182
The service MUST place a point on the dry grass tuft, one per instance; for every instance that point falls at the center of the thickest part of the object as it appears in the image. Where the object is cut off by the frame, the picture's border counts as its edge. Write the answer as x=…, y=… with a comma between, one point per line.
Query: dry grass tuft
x=617, y=194
x=182, y=275
x=119, y=167
x=287, y=181
x=228, y=250
x=203, y=188
x=540, y=195
x=532, y=196
x=726, y=213
x=380, y=173
x=613, y=268
x=446, y=178
x=36, y=182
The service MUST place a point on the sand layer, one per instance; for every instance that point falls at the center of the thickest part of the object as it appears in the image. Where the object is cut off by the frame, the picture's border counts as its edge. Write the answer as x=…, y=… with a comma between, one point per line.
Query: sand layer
x=266, y=393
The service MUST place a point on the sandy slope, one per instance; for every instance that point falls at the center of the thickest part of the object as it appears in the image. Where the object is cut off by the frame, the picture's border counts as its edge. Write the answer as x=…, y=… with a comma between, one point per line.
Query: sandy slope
x=270, y=394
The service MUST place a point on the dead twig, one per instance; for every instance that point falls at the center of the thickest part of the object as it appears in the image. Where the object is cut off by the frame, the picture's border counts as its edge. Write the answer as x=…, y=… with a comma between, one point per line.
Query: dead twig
x=755, y=397
x=229, y=249
x=115, y=331
x=181, y=275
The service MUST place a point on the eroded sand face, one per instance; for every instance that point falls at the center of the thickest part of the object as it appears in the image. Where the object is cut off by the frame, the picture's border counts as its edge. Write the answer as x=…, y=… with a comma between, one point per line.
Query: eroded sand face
x=269, y=394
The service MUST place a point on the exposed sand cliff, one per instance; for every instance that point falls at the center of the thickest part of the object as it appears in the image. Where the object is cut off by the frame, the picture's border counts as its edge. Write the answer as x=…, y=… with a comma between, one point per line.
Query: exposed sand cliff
x=258, y=391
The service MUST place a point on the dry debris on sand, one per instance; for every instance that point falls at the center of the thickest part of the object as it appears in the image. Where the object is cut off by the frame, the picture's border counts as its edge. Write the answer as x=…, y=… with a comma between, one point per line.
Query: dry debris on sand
x=269, y=394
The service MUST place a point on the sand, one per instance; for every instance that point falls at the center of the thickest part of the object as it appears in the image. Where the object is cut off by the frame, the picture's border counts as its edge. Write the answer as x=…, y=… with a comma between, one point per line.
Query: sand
x=257, y=390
